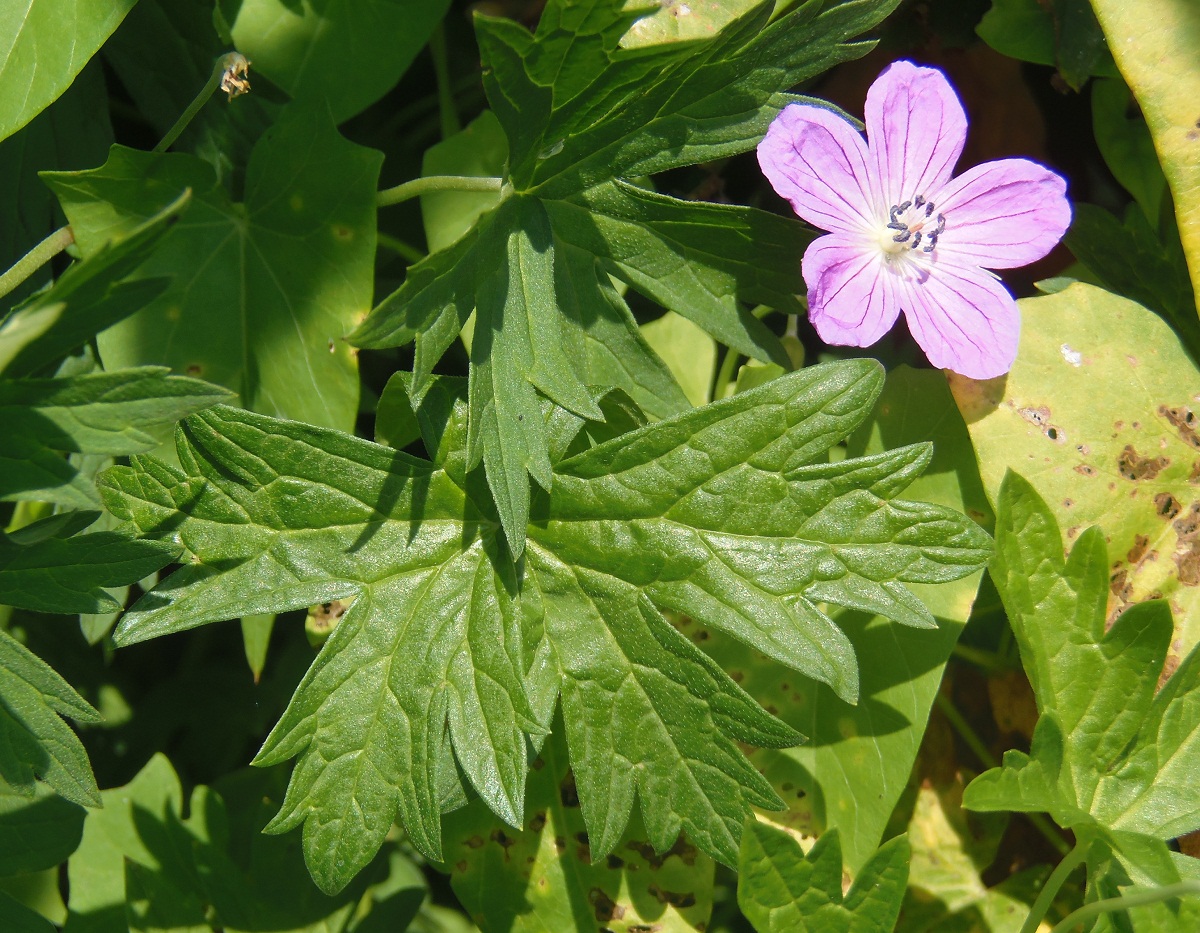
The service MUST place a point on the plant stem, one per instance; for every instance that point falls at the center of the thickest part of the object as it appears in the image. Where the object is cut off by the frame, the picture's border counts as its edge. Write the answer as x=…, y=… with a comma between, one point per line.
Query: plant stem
x=960, y=725
x=37, y=257
x=1130, y=899
x=722, y=389
x=226, y=62
x=985, y=660
x=419, y=186
x=441, y=70
x=406, y=251
x=1054, y=883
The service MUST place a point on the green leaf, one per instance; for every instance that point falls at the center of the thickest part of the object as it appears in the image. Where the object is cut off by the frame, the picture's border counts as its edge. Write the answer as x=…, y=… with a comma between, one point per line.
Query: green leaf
x=17, y=918
x=782, y=889
x=256, y=638
x=544, y=877
x=280, y=516
x=692, y=257
x=1125, y=143
x=688, y=351
x=163, y=54
x=1131, y=260
x=479, y=150
x=87, y=298
x=1153, y=43
x=1081, y=47
x=100, y=413
x=73, y=133
x=38, y=830
x=1112, y=749
x=44, y=48
x=951, y=850
x=853, y=771
x=286, y=274
x=580, y=117
x=35, y=744
x=49, y=567
x=142, y=866
x=345, y=55
x=676, y=21
x=1062, y=33
x=1098, y=413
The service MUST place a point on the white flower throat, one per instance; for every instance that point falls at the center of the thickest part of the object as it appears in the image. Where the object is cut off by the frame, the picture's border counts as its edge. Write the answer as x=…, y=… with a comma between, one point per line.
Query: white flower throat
x=913, y=226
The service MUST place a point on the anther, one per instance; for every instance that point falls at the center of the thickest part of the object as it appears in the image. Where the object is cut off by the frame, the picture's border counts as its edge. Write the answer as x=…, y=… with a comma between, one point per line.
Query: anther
x=931, y=242
x=901, y=237
x=929, y=209
x=916, y=240
x=941, y=227
x=918, y=200
x=903, y=207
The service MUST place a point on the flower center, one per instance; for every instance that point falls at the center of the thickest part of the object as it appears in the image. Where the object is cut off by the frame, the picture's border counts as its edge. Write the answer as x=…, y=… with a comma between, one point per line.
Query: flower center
x=913, y=225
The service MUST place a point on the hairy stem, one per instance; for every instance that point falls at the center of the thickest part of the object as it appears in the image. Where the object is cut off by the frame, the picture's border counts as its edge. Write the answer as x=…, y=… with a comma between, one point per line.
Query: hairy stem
x=37, y=257
x=1053, y=884
x=1136, y=898
x=419, y=186
x=229, y=63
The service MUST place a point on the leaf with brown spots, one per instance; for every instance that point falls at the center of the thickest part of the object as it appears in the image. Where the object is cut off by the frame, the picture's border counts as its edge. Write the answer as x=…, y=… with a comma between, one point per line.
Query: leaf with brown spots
x=1129, y=408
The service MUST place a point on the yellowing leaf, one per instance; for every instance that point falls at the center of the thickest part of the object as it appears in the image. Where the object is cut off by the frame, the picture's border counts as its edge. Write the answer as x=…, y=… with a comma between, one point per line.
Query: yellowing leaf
x=1099, y=413
x=1156, y=44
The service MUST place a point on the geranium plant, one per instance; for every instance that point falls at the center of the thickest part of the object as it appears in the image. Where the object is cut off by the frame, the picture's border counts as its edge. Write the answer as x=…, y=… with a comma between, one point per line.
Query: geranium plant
x=461, y=470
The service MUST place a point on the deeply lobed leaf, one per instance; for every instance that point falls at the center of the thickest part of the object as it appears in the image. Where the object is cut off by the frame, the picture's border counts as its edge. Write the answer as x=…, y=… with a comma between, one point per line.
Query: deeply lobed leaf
x=1112, y=757
x=580, y=114
x=447, y=630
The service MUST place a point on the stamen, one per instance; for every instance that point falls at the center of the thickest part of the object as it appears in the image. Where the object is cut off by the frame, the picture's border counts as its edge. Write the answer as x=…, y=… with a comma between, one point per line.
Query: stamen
x=915, y=228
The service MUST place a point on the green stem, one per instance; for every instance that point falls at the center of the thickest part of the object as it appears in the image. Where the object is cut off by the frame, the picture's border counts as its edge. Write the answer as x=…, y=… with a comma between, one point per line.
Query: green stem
x=1053, y=884
x=1130, y=899
x=986, y=660
x=441, y=70
x=37, y=257
x=405, y=250
x=960, y=725
x=725, y=374
x=226, y=62
x=419, y=186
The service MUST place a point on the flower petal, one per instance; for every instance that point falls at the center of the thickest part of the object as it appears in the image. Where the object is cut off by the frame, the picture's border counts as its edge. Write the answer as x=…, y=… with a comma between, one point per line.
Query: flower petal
x=917, y=129
x=1003, y=214
x=964, y=319
x=852, y=299
x=818, y=161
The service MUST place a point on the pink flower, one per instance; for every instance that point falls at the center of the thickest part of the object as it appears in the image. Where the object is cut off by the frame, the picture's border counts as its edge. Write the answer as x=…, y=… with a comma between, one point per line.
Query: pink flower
x=904, y=234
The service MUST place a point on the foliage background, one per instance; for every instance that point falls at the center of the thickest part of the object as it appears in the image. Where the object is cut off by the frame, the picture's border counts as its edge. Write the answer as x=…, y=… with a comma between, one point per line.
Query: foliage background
x=277, y=253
